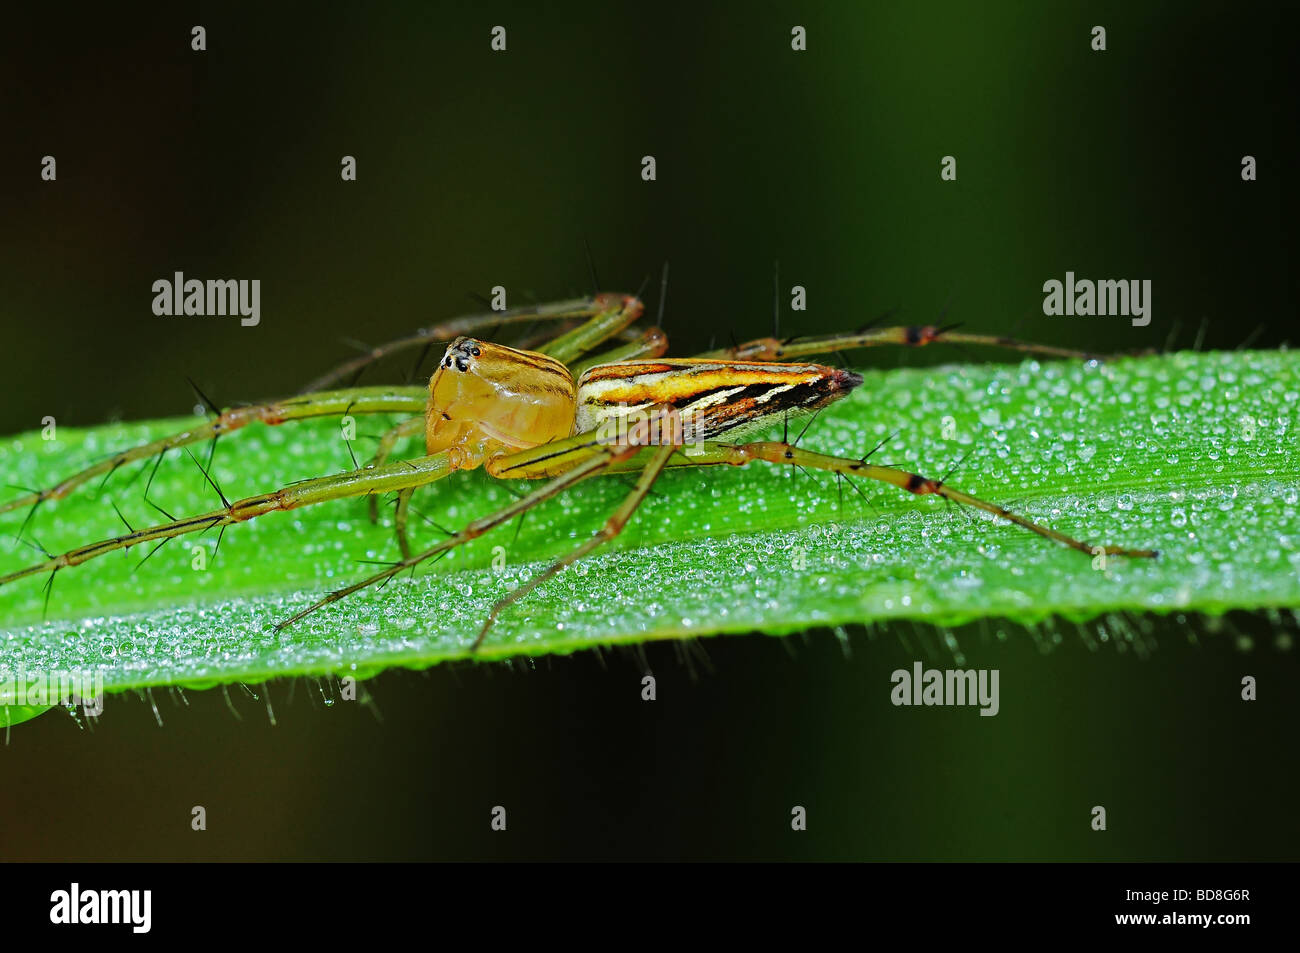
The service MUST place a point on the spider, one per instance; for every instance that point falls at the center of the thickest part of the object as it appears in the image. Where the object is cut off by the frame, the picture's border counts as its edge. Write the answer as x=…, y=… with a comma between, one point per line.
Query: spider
x=556, y=414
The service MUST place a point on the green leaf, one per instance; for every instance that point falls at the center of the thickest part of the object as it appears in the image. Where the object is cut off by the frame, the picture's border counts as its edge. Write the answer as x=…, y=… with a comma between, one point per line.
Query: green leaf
x=17, y=714
x=1193, y=454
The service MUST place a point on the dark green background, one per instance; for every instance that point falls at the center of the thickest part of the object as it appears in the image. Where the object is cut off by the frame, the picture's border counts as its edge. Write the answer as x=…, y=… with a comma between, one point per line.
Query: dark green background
x=477, y=169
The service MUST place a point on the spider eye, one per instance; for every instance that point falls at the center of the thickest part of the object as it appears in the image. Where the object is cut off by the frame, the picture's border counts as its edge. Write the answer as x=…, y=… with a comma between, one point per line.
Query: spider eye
x=475, y=351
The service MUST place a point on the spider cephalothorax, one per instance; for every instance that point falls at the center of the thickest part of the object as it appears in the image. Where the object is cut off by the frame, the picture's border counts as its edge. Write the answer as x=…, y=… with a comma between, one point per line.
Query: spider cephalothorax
x=489, y=400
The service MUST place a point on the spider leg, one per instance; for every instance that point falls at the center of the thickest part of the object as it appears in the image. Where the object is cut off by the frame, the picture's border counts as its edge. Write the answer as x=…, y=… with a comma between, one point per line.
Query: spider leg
x=613, y=526
x=581, y=308
x=652, y=342
x=772, y=349
x=407, y=428
x=597, y=458
x=617, y=313
x=784, y=454
x=399, y=520
x=392, y=476
x=363, y=400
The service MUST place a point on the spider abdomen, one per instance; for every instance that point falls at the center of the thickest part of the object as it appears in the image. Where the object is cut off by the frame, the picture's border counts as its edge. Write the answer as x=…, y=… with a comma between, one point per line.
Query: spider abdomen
x=713, y=397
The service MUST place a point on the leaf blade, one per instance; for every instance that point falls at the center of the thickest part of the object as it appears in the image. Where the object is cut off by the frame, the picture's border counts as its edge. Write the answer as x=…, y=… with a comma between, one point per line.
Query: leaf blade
x=1191, y=453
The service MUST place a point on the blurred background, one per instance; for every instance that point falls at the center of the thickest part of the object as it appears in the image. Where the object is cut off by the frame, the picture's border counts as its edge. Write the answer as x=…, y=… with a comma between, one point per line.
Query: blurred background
x=477, y=168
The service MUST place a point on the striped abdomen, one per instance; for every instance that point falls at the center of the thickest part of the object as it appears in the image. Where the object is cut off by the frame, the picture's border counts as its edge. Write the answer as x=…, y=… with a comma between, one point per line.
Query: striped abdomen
x=713, y=397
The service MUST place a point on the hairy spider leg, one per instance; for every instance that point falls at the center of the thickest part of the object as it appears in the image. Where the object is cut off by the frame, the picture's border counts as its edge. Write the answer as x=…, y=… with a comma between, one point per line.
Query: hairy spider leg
x=362, y=400
x=393, y=476
x=619, y=312
x=581, y=308
x=597, y=459
x=772, y=349
x=408, y=428
x=713, y=453
x=659, y=458
x=652, y=342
